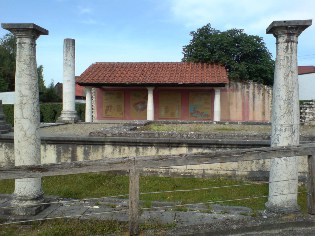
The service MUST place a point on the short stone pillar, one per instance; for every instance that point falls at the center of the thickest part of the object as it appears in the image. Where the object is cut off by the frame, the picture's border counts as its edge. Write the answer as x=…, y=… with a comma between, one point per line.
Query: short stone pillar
x=150, y=104
x=88, y=104
x=217, y=105
x=283, y=183
x=68, y=114
x=28, y=192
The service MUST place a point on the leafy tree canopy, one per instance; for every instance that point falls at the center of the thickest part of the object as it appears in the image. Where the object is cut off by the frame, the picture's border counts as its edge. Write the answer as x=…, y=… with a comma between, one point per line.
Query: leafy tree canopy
x=7, y=62
x=7, y=71
x=245, y=57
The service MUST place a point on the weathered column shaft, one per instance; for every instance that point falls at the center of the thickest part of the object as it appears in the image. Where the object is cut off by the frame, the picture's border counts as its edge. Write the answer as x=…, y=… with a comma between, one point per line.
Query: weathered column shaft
x=26, y=107
x=217, y=105
x=150, y=104
x=69, y=75
x=68, y=114
x=283, y=186
x=27, y=141
x=88, y=104
x=26, y=117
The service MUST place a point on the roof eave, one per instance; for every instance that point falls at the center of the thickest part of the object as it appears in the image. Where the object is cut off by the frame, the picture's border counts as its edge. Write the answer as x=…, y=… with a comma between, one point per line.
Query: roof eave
x=222, y=84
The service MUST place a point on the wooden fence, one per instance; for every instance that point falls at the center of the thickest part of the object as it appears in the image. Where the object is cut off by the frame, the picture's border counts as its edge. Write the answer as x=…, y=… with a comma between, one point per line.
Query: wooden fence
x=135, y=164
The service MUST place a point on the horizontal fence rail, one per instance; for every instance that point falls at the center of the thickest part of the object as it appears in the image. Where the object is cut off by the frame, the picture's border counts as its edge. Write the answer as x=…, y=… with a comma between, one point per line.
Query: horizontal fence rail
x=125, y=163
x=136, y=164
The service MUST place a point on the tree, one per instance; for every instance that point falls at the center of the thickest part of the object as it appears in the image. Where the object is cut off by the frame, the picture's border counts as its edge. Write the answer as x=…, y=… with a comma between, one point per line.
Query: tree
x=7, y=71
x=7, y=62
x=50, y=94
x=41, y=83
x=245, y=57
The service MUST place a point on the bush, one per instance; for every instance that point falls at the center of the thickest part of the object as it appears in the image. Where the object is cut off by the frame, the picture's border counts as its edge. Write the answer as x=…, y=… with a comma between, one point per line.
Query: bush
x=8, y=110
x=49, y=112
x=80, y=108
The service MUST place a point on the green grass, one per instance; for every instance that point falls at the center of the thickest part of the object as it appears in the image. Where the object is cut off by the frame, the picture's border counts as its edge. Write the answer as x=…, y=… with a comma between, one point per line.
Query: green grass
x=220, y=128
x=73, y=227
x=109, y=184
x=206, y=128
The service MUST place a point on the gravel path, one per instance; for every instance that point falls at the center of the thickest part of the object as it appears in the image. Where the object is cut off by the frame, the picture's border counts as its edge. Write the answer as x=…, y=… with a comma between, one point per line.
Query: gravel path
x=79, y=129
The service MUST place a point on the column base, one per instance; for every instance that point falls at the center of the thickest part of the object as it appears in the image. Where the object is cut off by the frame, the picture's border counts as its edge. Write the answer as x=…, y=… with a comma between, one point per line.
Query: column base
x=20, y=207
x=273, y=208
x=68, y=117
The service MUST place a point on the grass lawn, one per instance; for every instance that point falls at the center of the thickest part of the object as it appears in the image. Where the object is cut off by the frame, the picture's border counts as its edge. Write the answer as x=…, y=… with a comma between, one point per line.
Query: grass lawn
x=207, y=128
x=109, y=184
x=221, y=128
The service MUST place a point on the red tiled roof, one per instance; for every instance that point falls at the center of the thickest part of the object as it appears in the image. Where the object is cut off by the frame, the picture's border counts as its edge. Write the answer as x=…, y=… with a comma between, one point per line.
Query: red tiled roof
x=306, y=70
x=153, y=73
x=79, y=90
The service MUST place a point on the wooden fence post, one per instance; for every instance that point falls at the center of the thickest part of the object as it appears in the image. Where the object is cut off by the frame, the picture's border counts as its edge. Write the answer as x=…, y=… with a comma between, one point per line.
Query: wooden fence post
x=134, y=200
x=310, y=185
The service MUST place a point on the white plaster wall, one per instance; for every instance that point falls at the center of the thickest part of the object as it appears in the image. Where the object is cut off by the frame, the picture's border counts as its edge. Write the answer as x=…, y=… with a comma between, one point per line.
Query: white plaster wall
x=307, y=86
x=7, y=97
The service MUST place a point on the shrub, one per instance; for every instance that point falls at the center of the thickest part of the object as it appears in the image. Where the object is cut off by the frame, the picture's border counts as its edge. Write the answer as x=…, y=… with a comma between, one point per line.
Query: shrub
x=49, y=112
x=8, y=110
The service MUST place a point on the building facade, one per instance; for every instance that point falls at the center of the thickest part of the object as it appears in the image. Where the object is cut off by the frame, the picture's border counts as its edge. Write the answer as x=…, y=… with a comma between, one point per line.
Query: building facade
x=171, y=91
x=306, y=82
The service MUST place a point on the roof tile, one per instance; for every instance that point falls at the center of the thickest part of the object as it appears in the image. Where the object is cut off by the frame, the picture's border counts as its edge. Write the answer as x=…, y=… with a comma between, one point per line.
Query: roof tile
x=153, y=73
x=306, y=70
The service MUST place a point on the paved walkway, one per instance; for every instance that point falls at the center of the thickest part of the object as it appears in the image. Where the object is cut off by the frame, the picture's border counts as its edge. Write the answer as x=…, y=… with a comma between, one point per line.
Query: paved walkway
x=117, y=209
x=196, y=220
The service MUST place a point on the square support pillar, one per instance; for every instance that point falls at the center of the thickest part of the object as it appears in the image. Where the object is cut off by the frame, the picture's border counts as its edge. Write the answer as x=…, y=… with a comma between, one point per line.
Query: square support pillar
x=88, y=104
x=150, y=104
x=217, y=105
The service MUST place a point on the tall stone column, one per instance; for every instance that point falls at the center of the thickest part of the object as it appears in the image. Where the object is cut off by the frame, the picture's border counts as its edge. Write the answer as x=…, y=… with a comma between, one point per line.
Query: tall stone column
x=217, y=105
x=28, y=191
x=283, y=184
x=150, y=104
x=88, y=104
x=68, y=114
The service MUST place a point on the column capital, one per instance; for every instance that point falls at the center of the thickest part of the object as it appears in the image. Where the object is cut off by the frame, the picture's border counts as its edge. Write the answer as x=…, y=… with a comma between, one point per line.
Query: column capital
x=150, y=88
x=289, y=27
x=25, y=30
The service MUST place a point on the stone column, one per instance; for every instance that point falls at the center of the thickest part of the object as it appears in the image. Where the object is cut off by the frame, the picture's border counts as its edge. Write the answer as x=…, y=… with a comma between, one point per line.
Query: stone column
x=68, y=114
x=217, y=105
x=88, y=104
x=150, y=104
x=283, y=184
x=28, y=192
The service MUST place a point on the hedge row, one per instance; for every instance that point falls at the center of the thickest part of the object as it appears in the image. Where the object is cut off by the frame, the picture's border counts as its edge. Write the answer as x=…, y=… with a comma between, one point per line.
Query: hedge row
x=49, y=112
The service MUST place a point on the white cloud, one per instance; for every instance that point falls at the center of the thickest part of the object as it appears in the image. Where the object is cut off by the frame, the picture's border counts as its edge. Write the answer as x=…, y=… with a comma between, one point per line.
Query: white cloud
x=84, y=10
x=253, y=16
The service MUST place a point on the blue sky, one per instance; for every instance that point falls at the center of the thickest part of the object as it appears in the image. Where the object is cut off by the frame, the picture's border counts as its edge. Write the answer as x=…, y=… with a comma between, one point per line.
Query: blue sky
x=146, y=30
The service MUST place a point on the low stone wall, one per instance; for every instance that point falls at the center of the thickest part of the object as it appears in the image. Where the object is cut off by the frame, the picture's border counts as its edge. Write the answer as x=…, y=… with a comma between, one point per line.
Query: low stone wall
x=307, y=112
x=67, y=149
